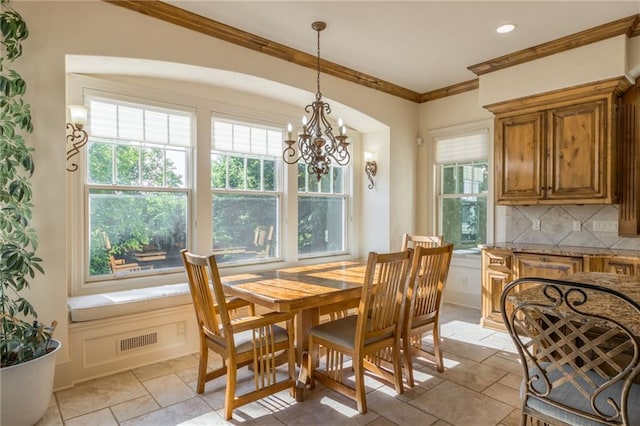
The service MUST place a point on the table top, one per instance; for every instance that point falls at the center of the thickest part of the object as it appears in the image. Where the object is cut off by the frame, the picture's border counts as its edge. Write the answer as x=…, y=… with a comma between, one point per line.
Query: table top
x=600, y=305
x=299, y=287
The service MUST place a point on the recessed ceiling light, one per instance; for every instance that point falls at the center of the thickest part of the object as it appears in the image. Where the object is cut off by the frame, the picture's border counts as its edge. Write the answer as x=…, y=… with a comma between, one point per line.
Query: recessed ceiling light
x=506, y=28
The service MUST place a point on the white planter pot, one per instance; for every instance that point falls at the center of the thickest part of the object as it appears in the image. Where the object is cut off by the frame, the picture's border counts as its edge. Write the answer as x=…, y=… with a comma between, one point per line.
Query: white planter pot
x=26, y=389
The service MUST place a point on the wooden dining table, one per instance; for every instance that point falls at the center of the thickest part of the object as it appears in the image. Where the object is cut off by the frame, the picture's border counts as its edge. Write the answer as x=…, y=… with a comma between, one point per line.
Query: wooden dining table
x=307, y=290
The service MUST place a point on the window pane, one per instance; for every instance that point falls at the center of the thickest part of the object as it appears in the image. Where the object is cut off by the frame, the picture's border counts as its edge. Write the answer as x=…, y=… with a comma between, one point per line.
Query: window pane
x=302, y=177
x=127, y=165
x=218, y=171
x=152, y=167
x=320, y=225
x=176, y=169
x=100, y=163
x=269, y=175
x=236, y=172
x=448, y=180
x=464, y=221
x=132, y=232
x=338, y=180
x=244, y=227
x=481, y=176
x=253, y=173
x=325, y=183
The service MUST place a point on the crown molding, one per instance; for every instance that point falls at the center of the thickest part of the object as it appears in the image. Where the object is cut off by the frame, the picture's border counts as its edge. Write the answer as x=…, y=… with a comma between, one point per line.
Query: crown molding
x=454, y=89
x=628, y=26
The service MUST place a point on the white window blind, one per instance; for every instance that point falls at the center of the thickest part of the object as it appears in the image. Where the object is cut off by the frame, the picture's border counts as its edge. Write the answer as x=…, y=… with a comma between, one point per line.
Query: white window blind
x=119, y=120
x=246, y=138
x=462, y=148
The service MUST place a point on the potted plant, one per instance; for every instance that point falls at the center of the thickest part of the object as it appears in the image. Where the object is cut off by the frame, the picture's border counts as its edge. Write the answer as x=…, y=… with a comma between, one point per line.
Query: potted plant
x=26, y=348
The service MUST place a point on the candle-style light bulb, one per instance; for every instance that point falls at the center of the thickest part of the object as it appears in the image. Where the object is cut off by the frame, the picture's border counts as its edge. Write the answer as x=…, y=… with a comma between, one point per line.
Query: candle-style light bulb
x=289, y=131
x=343, y=130
x=340, y=122
x=304, y=124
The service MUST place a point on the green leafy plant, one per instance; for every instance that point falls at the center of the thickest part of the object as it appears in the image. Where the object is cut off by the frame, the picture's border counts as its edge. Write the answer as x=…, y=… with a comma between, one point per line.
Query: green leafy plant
x=22, y=338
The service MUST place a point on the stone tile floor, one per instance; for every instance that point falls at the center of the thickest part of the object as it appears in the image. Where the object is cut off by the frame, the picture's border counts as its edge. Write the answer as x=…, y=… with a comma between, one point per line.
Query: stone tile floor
x=478, y=387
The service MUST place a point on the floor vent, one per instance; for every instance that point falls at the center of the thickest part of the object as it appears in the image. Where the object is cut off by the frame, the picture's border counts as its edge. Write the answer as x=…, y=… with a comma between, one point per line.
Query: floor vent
x=138, y=341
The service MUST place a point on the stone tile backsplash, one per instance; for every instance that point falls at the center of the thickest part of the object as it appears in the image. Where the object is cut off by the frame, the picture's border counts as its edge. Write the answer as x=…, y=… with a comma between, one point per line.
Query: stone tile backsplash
x=556, y=226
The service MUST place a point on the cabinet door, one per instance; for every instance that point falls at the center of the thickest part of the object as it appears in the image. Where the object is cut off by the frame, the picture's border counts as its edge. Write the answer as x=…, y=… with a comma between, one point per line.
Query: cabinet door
x=577, y=157
x=541, y=266
x=496, y=274
x=519, y=160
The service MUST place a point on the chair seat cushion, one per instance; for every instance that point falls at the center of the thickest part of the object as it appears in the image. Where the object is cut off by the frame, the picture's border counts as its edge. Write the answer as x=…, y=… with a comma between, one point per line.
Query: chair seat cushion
x=568, y=395
x=244, y=339
x=342, y=332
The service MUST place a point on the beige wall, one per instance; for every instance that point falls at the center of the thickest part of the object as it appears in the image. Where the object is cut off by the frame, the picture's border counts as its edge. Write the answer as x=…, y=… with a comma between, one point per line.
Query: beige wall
x=97, y=28
x=596, y=61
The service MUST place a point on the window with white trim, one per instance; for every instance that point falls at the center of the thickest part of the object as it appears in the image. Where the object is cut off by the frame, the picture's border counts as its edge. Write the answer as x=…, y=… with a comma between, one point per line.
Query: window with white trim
x=462, y=172
x=245, y=185
x=322, y=211
x=137, y=200
x=138, y=187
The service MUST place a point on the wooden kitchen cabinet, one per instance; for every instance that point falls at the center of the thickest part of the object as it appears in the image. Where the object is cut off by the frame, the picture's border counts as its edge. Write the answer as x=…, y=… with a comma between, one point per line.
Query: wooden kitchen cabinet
x=496, y=274
x=558, y=147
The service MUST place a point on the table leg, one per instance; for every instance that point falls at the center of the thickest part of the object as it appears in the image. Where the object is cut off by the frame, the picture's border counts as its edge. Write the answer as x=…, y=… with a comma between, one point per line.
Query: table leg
x=305, y=319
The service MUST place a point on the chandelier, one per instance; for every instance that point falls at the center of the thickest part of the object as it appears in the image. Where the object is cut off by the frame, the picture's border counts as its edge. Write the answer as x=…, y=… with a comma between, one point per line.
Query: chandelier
x=317, y=145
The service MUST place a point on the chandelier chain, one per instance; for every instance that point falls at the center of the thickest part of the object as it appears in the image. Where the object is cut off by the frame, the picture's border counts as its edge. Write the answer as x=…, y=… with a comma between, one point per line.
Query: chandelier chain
x=318, y=93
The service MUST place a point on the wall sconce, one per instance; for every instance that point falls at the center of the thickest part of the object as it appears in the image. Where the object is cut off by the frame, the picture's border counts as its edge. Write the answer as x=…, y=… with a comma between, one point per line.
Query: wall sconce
x=76, y=136
x=370, y=168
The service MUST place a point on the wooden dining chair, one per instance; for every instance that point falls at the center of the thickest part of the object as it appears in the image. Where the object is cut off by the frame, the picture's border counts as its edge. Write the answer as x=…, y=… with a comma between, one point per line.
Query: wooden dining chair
x=360, y=337
x=579, y=365
x=254, y=341
x=412, y=241
x=427, y=280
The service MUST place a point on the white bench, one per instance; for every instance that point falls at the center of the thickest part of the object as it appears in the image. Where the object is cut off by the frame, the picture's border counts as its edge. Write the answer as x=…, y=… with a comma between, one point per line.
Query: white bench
x=118, y=303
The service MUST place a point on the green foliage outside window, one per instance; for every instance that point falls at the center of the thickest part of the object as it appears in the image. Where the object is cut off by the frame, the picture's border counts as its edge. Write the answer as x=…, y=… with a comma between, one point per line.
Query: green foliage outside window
x=320, y=218
x=464, y=203
x=123, y=222
x=244, y=199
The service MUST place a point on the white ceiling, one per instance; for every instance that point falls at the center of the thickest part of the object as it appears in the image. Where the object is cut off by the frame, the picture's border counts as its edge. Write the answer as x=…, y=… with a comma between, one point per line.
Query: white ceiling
x=419, y=45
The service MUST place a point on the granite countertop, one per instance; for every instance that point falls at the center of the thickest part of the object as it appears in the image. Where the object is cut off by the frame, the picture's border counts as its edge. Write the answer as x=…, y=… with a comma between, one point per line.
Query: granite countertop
x=578, y=251
x=608, y=307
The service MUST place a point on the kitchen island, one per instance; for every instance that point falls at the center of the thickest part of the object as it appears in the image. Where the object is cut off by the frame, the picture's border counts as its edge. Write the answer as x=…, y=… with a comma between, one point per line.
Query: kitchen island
x=505, y=262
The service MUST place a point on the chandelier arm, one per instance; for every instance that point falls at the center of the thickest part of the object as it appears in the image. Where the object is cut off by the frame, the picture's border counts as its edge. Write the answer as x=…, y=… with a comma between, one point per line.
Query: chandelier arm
x=290, y=152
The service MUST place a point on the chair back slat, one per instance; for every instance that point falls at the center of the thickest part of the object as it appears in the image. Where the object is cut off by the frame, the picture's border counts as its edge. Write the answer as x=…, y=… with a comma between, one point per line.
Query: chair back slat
x=383, y=292
x=569, y=345
x=427, y=281
x=413, y=241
